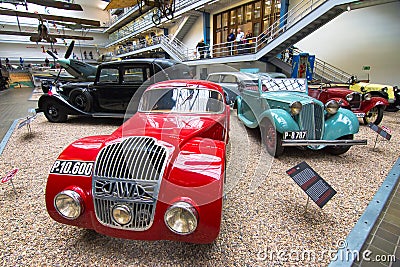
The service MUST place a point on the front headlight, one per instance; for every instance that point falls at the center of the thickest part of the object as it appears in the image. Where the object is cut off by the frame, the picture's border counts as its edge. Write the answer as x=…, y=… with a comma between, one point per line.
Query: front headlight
x=384, y=89
x=332, y=107
x=367, y=97
x=181, y=218
x=121, y=214
x=68, y=204
x=349, y=97
x=295, y=108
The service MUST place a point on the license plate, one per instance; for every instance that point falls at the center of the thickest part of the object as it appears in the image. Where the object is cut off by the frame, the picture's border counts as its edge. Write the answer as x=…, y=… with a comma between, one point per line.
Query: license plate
x=295, y=135
x=360, y=115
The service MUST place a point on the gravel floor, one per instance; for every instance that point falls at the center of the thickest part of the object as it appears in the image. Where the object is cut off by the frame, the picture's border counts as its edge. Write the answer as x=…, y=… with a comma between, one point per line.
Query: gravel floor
x=263, y=214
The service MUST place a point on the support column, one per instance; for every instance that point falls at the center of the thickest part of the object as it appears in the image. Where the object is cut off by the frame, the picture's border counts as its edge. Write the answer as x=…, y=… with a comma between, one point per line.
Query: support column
x=206, y=30
x=284, y=10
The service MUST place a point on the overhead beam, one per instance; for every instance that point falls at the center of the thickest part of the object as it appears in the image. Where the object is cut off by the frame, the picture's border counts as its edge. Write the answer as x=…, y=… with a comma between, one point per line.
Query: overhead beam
x=49, y=17
x=56, y=4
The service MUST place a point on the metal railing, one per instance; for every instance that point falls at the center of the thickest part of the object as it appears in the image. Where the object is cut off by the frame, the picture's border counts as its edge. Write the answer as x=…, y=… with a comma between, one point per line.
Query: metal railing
x=145, y=22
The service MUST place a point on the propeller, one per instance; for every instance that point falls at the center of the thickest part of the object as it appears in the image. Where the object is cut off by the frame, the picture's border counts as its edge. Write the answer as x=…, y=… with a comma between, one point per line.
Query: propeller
x=66, y=56
x=69, y=50
x=51, y=54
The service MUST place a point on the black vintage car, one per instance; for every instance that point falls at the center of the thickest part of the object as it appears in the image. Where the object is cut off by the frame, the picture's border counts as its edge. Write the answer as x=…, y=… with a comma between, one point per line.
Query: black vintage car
x=111, y=92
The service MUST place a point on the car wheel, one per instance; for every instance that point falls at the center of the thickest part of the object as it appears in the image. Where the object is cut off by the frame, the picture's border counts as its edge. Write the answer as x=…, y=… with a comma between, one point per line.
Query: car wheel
x=81, y=100
x=53, y=112
x=374, y=115
x=271, y=138
x=338, y=150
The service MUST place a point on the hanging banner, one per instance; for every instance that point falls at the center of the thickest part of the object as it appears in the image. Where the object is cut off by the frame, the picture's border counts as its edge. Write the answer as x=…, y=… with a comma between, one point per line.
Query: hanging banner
x=311, y=183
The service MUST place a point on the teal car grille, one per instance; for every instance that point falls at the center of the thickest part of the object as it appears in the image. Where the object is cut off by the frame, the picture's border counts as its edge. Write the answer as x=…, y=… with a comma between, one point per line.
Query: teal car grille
x=312, y=120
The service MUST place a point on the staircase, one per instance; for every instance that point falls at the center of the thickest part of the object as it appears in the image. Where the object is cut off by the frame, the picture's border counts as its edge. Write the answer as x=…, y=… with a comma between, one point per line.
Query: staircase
x=186, y=24
x=323, y=71
x=303, y=19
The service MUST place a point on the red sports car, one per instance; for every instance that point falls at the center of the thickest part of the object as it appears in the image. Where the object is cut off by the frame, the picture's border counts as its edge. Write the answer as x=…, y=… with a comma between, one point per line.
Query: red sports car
x=369, y=108
x=160, y=176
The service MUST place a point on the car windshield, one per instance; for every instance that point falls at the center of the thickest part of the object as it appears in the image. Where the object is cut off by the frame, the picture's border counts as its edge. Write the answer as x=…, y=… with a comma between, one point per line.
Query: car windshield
x=182, y=100
x=289, y=84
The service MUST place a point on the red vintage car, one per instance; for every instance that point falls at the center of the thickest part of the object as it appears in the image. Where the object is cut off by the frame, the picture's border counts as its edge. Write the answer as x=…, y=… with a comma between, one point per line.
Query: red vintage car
x=369, y=108
x=160, y=176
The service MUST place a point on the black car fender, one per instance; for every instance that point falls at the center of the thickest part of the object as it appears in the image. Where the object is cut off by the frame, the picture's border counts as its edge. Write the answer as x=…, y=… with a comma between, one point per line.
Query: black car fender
x=63, y=103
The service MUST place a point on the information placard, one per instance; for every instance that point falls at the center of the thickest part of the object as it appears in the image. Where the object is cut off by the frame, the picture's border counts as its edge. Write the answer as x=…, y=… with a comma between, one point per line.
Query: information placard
x=9, y=176
x=382, y=132
x=311, y=183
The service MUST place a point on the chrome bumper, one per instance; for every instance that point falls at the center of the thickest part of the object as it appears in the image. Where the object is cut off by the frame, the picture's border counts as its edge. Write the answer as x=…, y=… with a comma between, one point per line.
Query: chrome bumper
x=323, y=142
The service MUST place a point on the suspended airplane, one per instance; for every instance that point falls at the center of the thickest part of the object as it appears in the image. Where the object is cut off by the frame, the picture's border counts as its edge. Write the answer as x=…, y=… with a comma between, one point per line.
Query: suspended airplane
x=80, y=70
x=47, y=3
x=164, y=8
x=42, y=31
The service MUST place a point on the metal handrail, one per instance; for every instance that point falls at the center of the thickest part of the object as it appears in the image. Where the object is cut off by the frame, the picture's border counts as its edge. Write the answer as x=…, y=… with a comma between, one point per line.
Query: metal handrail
x=252, y=45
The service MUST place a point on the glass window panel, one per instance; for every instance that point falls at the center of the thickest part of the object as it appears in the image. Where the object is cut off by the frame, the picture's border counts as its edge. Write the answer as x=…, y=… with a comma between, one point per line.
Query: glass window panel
x=219, y=21
x=109, y=76
x=267, y=8
x=256, y=29
x=249, y=10
x=233, y=17
x=240, y=16
x=257, y=10
x=133, y=75
x=225, y=19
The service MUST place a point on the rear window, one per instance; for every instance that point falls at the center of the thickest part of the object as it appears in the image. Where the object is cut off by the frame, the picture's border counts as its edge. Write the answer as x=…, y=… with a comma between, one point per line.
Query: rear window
x=182, y=100
x=213, y=78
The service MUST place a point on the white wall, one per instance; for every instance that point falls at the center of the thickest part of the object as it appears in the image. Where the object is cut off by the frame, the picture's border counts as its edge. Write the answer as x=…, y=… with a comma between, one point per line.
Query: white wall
x=195, y=34
x=364, y=37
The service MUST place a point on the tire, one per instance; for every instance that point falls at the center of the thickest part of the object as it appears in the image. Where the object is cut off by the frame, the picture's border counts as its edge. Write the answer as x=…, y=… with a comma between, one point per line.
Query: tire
x=272, y=140
x=156, y=19
x=81, y=99
x=53, y=112
x=374, y=115
x=338, y=150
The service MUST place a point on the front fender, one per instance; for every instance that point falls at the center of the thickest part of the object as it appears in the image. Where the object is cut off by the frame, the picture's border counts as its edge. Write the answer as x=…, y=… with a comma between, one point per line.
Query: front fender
x=375, y=101
x=342, y=102
x=64, y=104
x=282, y=119
x=344, y=122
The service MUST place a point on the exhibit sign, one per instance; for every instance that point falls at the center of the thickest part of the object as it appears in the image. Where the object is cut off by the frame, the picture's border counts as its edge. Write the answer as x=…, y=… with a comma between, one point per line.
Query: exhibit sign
x=384, y=132
x=27, y=122
x=9, y=176
x=312, y=183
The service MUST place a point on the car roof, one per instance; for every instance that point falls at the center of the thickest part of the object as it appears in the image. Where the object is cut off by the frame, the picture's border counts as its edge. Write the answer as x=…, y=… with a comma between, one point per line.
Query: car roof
x=238, y=74
x=187, y=83
x=161, y=61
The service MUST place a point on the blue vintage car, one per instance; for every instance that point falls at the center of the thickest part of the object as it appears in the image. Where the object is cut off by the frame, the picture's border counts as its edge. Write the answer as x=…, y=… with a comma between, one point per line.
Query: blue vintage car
x=287, y=116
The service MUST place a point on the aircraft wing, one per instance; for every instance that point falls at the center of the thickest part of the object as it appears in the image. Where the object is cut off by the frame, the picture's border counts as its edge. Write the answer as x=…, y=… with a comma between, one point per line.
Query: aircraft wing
x=114, y=4
x=61, y=36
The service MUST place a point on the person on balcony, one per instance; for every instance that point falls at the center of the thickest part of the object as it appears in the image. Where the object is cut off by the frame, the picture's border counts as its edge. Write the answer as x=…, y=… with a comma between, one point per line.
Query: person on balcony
x=239, y=41
x=201, y=47
x=231, y=40
x=248, y=41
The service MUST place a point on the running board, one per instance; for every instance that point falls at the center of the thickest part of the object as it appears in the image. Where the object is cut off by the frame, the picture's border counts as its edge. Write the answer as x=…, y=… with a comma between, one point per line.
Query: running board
x=323, y=142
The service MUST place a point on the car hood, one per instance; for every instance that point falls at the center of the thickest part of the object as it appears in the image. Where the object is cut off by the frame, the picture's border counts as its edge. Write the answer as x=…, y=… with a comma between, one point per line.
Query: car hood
x=80, y=85
x=175, y=129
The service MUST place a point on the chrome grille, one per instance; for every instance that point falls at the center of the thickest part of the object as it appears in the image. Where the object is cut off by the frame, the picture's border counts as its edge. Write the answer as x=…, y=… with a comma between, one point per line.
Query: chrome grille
x=312, y=120
x=355, y=103
x=128, y=173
